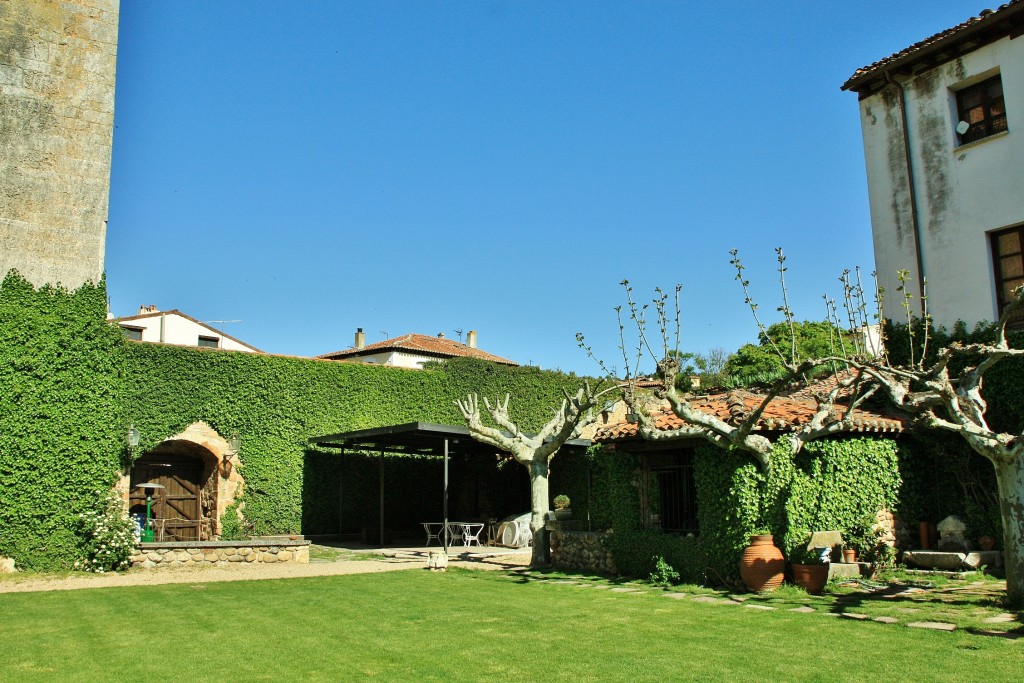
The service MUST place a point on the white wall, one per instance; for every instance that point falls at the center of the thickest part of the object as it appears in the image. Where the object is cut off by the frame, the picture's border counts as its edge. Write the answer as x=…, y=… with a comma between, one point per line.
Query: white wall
x=174, y=329
x=963, y=192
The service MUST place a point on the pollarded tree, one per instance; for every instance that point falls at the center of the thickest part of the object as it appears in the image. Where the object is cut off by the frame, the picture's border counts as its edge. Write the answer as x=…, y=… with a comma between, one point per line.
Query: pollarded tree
x=533, y=451
x=945, y=394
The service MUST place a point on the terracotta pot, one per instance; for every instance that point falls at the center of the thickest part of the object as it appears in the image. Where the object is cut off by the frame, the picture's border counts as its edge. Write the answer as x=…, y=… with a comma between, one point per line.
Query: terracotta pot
x=762, y=564
x=811, y=577
x=987, y=542
x=849, y=556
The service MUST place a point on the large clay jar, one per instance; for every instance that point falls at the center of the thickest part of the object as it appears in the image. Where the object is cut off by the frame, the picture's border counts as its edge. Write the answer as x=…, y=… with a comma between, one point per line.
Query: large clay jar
x=762, y=565
x=811, y=577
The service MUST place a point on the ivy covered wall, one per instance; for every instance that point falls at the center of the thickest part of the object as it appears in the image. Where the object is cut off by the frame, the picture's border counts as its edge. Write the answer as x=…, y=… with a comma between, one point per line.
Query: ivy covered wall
x=70, y=386
x=63, y=416
x=835, y=484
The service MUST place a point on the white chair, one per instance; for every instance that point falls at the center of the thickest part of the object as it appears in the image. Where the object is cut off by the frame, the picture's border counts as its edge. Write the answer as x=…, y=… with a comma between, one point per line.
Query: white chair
x=471, y=534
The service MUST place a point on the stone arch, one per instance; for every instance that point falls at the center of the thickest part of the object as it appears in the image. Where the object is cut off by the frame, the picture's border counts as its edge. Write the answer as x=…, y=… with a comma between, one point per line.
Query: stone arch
x=199, y=464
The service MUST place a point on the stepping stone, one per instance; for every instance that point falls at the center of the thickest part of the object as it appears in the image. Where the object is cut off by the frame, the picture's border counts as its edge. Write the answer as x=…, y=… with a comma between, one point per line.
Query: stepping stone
x=886, y=620
x=564, y=583
x=601, y=585
x=764, y=607
x=829, y=614
x=804, y=610
x=674, y=596
x=853, y=615
x=1009, y=635
x=1001, y=619
x=933, y=625
x=907, y=610
x=625, y=590
x=730, y=601
x=707, y=599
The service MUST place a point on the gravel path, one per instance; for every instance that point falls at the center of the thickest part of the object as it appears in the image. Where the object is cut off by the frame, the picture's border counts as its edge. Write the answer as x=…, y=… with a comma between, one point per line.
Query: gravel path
x=392, y=560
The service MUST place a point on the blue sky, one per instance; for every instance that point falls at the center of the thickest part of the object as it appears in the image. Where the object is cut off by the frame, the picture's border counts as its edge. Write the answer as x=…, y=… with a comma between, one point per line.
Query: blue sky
x=313, y=167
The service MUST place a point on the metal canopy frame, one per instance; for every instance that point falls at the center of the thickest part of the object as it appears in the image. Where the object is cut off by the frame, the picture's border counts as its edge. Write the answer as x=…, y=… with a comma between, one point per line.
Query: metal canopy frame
x=416, y=438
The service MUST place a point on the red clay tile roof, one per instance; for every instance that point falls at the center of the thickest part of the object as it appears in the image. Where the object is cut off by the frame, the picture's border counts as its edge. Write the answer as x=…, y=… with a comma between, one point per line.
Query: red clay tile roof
x=781, y=414
x=988, y=26
x=439, y=347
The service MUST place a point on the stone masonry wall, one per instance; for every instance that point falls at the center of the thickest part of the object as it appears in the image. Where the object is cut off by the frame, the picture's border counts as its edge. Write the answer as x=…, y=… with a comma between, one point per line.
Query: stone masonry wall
x=582, y=551
x=57, y=66
x=219, y=553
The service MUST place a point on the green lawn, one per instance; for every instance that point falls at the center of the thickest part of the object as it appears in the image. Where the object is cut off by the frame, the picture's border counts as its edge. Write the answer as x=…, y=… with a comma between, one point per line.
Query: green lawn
x=460, y=625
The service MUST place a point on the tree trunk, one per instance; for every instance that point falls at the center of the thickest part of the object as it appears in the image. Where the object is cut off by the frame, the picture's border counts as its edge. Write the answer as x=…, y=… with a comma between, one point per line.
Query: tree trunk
x=1010, y=477
x=539, y=511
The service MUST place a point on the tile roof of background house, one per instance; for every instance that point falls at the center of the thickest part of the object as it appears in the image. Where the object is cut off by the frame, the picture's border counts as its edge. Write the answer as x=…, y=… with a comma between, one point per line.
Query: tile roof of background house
x=440, y=347
x=989, y=25
x=783, y=413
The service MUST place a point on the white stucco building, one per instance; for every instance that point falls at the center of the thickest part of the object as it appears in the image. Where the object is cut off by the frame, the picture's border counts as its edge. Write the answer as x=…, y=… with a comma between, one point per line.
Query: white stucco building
x=413, y=350
x=174, y=327
x=943, y=127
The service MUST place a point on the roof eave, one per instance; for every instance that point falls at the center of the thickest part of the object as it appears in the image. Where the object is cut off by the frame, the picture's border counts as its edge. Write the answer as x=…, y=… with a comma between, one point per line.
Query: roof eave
x=998, y=25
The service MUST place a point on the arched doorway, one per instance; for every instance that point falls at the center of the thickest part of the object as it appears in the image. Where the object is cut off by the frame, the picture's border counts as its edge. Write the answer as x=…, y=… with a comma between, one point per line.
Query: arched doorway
x=185, y=509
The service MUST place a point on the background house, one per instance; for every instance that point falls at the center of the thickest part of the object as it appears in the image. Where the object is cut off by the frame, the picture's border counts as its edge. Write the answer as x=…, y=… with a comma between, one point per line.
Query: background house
x=943, y=127
x=174, y=327
x=413, y=350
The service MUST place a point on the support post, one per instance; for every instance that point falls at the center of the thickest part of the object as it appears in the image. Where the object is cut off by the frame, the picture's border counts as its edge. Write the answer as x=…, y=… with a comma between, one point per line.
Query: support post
x=382, y=496
x=445, y=506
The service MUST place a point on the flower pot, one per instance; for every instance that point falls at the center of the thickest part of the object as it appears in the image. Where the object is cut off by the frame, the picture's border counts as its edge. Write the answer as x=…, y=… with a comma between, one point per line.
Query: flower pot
x=811, y=577
x=987, y=542
x=762, y=564
x=849, y=556
x=563, y=514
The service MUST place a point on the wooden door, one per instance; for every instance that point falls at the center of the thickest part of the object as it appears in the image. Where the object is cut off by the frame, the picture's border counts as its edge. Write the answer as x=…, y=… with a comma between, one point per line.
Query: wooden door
x=176, y=507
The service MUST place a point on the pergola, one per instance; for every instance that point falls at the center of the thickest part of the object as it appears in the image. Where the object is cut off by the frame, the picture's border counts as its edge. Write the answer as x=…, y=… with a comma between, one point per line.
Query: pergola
x=417, y=438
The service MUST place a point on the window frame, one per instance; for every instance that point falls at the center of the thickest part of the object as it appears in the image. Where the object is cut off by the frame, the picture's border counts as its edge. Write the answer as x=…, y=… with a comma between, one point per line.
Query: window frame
x=129, y=330
x=205, y=338
x=991, y=124
x=998, y=271
x=663, y=468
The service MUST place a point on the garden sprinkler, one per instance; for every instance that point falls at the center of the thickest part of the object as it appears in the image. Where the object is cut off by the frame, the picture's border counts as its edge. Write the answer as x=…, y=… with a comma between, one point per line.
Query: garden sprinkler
x=147, y=533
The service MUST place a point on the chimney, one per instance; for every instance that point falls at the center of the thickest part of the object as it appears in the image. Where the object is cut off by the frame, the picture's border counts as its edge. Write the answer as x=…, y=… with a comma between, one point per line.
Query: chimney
x=360, y=338
x=471, y=339
x=144, y=309
x=440, y=335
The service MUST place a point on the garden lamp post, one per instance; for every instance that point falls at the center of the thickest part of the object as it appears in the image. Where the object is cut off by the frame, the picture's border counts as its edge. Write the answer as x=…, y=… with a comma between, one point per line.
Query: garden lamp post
x=147, y=534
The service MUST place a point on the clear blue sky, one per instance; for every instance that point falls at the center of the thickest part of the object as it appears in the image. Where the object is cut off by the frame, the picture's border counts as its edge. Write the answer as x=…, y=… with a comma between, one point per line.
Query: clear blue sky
x=314, y=167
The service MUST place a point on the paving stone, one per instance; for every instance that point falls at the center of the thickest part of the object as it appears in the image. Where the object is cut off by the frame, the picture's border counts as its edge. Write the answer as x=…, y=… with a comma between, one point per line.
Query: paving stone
x=1009, y=635
x=853, y=615
x=707, y=599
x=933, y=625
x=764, y=607
x=886, y=620
x=1001, y=619
x=674, y=596
x=804, y=610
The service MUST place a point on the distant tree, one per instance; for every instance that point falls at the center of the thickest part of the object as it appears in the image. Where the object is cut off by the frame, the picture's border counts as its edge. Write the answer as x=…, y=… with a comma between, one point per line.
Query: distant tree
x=762, y=362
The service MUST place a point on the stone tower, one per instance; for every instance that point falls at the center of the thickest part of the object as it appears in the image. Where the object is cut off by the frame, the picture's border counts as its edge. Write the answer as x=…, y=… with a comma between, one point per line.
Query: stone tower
x=57, y=64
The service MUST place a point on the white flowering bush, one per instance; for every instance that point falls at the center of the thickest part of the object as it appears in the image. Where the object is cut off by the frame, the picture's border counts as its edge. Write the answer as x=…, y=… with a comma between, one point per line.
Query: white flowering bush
x=108, y=536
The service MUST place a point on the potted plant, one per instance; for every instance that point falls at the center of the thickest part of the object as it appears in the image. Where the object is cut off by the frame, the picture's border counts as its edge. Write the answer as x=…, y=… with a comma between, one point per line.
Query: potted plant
x=810, y=568
x=762, y=564
x=562, y=510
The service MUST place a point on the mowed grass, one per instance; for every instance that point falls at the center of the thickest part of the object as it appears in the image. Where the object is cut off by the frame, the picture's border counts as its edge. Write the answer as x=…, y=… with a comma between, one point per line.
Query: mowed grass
x=458, y=626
